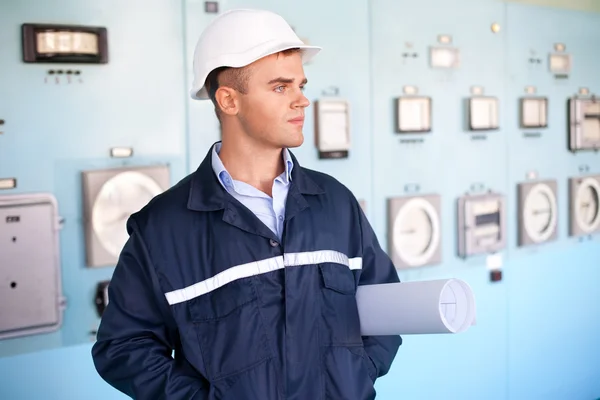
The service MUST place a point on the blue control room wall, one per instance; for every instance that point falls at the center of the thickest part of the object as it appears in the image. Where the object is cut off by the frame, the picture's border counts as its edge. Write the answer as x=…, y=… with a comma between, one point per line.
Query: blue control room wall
x=536, y=332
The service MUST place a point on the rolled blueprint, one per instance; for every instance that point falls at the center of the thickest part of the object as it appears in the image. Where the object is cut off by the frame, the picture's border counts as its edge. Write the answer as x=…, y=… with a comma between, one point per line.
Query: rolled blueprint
x=421, y=307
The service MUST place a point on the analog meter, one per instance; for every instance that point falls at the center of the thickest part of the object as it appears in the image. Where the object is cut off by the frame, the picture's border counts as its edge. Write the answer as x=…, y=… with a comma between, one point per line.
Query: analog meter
x=110, y=197
x=414, y=230
x=538, y=212
x=584, y=205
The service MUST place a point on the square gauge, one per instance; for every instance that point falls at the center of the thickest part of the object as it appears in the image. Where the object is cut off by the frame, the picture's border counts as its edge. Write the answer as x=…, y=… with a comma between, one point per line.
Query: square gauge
x=534, y=112
x=51, y=43
x=481, y=223
x=332, y=130
x=444, y=57
x=483, y=113
x=584, y=123
x=413, y=114
x=560, y=64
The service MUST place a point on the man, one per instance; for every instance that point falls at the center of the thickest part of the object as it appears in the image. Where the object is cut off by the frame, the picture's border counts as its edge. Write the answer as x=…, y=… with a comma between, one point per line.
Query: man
x=239, y=282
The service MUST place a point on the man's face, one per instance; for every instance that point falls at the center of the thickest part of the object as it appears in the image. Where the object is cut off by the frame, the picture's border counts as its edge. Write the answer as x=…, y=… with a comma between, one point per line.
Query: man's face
x=272, y=111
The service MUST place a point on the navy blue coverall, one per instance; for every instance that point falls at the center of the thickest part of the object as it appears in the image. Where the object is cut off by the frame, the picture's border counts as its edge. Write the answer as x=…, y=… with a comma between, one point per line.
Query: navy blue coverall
x=206, y=303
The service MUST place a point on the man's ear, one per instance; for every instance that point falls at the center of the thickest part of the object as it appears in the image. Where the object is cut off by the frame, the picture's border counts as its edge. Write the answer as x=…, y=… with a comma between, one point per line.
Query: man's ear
x=227, y=100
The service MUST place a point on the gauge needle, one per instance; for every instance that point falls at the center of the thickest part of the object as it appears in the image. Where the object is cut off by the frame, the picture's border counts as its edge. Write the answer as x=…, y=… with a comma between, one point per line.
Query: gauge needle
x=544, y=211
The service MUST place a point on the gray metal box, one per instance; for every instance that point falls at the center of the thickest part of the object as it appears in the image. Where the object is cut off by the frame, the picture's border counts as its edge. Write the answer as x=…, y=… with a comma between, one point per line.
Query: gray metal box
x=31, y=299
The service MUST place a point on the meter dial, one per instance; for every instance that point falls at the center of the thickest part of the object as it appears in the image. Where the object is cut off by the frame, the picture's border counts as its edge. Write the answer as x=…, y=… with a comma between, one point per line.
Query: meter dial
x=587, y=205
x=416, y=232
x=121, y=196
x=539, y=213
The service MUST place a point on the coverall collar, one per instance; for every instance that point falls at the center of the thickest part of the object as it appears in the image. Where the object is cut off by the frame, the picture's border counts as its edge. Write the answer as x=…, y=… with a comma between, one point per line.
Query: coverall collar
x=206, y=194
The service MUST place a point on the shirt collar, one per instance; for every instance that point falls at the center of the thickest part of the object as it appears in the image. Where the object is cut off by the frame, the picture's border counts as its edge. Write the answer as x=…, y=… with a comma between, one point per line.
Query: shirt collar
x=206, y=194
x=225, y=178
x=289, y=165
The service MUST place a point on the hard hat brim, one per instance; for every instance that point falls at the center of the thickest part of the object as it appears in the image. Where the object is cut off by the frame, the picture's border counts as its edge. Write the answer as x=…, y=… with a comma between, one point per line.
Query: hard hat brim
x=308, y=53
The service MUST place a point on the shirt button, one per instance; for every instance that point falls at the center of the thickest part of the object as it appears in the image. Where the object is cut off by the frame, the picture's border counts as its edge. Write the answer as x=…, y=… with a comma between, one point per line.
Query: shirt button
x=273, y=243
x=281, y=217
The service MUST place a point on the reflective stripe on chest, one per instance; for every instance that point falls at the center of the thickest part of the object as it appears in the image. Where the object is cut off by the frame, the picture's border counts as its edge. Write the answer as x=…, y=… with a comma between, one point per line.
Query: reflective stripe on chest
x=261, y=267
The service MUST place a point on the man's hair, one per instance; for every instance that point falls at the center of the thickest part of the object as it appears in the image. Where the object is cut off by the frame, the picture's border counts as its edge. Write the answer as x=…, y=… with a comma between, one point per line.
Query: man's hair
x=236, y=78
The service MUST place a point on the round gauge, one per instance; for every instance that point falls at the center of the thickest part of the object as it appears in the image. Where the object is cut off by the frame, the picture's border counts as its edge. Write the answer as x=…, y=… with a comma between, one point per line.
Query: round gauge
x=121, y=196
x=539, y=213
x=416, y=232
x=587, y=205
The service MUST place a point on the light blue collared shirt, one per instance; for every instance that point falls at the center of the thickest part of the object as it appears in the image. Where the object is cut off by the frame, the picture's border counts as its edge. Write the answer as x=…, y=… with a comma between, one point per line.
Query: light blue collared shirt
x=271, y=211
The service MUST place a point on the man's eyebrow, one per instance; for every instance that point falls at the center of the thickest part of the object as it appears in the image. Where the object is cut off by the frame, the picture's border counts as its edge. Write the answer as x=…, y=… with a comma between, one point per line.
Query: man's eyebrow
x=285, y=80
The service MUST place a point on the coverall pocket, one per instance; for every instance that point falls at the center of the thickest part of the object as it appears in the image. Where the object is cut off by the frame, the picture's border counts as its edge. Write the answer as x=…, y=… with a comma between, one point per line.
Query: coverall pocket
x=340, y=322
x=361, y=352
x=350, y=365
x=231, y=332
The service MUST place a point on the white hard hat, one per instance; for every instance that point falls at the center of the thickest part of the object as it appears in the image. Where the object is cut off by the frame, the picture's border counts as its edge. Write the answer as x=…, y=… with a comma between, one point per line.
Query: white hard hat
x=239, y=37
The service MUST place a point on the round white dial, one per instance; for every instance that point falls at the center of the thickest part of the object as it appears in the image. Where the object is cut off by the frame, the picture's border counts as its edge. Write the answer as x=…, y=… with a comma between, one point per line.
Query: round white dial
x=539, y=213
x=587, y=205
x=416, y=232
x=118, y=198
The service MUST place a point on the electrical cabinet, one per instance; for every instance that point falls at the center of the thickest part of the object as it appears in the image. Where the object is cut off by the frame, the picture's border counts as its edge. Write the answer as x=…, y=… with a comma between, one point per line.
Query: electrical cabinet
x=31, y=299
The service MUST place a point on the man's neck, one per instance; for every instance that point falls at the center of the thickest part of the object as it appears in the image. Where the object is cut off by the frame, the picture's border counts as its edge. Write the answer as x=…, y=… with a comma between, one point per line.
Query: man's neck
x=252, y=163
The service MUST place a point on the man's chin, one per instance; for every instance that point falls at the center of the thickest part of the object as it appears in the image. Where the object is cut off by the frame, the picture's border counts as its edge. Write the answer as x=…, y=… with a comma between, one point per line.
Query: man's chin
x=295, y=141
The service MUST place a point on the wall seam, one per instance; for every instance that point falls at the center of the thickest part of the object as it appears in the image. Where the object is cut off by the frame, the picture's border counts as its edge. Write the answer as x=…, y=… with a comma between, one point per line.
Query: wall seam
x=187, y=156
x=371, y=116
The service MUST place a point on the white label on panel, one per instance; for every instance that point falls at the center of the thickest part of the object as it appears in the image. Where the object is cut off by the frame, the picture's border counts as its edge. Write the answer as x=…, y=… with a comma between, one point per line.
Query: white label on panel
x=476, y=90
x=445, y=39
x=120, y=152
x=532, y=175
x=7, y=183
x=410, y=90
x=494, y=261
